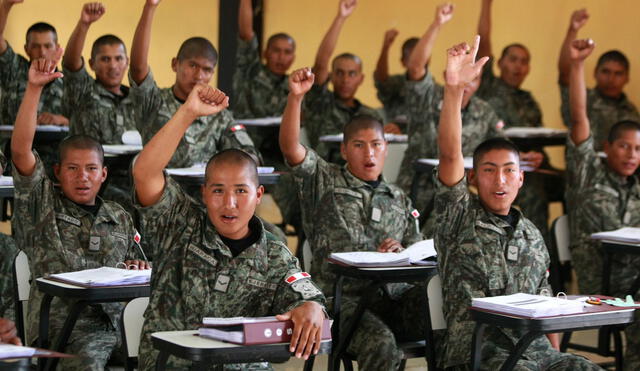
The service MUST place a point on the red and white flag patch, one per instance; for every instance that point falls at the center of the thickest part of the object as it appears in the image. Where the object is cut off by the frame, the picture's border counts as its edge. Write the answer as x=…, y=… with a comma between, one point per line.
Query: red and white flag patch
x=500, y=125
x=297, y=276
x=237, y=127
x=137, y=238
x=415, y=213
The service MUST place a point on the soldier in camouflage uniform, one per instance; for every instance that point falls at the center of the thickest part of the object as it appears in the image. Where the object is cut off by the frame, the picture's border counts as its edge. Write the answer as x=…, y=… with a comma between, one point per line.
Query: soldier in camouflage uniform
x=220, y=262
x=606, y=103
x=603, y=195
x=325, y=111
x=68, y=229
x=352, y=208
x=8, y=252
x=485, y=247
x=516, y=107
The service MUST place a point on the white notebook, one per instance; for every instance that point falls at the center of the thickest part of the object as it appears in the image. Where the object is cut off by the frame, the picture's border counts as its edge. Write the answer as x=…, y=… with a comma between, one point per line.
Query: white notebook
x=414, y=254
x=528, y=305
x=105, y=276
x=15, y=351
x=626, y=234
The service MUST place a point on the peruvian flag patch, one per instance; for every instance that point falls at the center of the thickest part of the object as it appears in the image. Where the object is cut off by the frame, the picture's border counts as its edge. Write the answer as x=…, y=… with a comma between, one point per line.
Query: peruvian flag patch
x=298, y=276
x=415, y=213
x=237, y=127
x=137, y=237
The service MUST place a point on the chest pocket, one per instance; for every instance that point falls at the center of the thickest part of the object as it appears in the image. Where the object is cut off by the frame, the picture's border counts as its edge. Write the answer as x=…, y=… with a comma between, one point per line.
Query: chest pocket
x=490, y=240
x=393, y=220
x=348, y=206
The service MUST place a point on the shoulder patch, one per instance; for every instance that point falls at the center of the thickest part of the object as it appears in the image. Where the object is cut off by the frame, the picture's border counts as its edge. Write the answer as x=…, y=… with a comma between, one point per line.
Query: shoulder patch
x=297, y=276
x=237, y=127
x=347, y=191
x=500, y=125
x=208, y=258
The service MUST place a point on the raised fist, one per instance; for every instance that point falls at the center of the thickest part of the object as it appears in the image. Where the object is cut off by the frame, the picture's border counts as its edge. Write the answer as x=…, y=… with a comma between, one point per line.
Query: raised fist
x=205, y=100
x=581, y=49
x=91, y=12
x=444, y=13
x=579, y=18
x=347, y=7
x=301, y=81
x=390, y=36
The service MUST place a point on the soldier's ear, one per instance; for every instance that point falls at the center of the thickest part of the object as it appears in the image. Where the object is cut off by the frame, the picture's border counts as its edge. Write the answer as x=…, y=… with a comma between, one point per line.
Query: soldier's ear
x=174, y=64
x=56, y=171
x=91, y=61
x=259, y=193
x=473, y=180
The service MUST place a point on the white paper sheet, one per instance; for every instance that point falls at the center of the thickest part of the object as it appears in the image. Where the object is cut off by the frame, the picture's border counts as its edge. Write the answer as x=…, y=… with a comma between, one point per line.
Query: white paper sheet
x=263, y=121
x=627, y=234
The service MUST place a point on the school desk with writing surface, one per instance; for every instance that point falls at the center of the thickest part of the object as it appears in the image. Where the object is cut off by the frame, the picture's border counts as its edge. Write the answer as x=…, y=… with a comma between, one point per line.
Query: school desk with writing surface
x=377, y=278
x=82, y=297
x=190, y=346
x=594, y=317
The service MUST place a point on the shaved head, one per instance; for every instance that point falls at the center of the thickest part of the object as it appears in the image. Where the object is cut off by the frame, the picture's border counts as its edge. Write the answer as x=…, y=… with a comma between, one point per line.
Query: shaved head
x=361, y=122
x=198, y=47
x=235, y=157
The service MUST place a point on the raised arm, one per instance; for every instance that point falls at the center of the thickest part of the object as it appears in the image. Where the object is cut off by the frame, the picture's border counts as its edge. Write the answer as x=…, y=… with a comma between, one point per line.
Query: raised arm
x=578, y=19
x=245, y=20
x=41, y=72
x=462, y=69
x=5, y=8
x=382, y=67
x=91, y=12
x=147, y=169
x=579, y=51
x=300, y=82
x=421, y=54
x=139, y=67
x=328, y=44
x=484, y=29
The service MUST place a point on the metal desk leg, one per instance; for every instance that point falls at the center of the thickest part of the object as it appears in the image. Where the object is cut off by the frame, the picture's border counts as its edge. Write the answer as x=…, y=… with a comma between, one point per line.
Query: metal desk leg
x=334, y=362
x=476, y=345
x=64, y=335
x=161, y=361
x=430, y=350
x=43, y=330
x=522, y=345
x=606, y=272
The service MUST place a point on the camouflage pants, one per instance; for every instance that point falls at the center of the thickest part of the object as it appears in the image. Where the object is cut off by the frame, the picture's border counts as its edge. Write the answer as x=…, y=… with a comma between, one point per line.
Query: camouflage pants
x=8, y=252
x=386, y=322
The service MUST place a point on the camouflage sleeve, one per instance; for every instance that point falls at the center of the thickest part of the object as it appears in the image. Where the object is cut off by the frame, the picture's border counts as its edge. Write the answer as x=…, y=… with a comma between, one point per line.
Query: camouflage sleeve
x=147, y=100
x=420, y=94
x=564, y=105
x=236, y=136
x=310, y=176
x=488, y=77
x=247, y=56
x=317, y=102
x=77, y=87
x=582, y=162
x=295, y=287
x=450, y=208
x=496, y=125
x=11, y=66
x=3, y=162
x=390, y=89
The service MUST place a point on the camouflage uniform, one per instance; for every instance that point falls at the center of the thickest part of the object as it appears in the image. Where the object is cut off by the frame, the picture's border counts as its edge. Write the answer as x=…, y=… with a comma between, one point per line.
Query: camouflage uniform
x=324, y=114
x=394, y=96
x=517, y=107
x=339, y=214
x=473, y=262
x=479, y=122
x=8, y=252
x=193, y=262
x=602, y=111
x=59, y=236
x=601, y=200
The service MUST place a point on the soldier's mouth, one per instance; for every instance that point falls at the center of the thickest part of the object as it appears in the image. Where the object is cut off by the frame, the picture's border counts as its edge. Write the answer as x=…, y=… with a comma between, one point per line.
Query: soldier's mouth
x=229, y=218
x=369, y=165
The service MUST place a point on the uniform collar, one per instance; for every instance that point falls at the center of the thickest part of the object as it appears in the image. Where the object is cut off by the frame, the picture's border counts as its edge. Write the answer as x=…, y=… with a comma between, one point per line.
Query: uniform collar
x=272, y=76
x=622, y=99
x=355, y=182
x=106, y=213
x=106, y=93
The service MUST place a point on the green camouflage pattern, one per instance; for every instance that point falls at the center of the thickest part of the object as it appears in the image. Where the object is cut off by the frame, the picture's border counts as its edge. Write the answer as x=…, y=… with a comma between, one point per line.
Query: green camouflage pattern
x=602, y=111
x=473, y=262
x=394, y=96
x=196, y=276
x=8, y=252
x=59, y=236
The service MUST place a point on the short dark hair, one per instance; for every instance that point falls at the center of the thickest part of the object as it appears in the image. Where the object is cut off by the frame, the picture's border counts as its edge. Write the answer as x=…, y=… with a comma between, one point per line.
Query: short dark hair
x=493, y=144
x=198, y=47
x=281, y=36
x=41, y=27
x=351, y=56
x=360, y=122
x=621, y=126
x=80, y=142
x=236, y=157
x=505, y=50
x=106, y=40
x=613, y=56
x=408, y=45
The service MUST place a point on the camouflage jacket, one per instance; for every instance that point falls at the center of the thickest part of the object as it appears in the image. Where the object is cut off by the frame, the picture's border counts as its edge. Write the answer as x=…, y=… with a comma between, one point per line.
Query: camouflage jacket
x=195, y=275
x=481, y=255
x=205, y=137
x=515, y=106
x=602, y=111
x=258, y=92
x=343, y=213
x=324, y=114
x=393, y=95
x=59, y=236
x=94, y=111
x=599, y=200
x=14, y=75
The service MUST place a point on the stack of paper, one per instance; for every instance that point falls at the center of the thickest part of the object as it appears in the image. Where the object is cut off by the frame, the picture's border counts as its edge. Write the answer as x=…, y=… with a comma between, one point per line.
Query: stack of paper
x=527, y=305
x=468, y=162
x=264, y=121
x=132, y=137
x=396, y=138
x=197, y=171
x=105, y=276
x=13, y=351
x=121, y=149
x=627, y=234
x=6, y=180
x=414, y=254
x=529, y=132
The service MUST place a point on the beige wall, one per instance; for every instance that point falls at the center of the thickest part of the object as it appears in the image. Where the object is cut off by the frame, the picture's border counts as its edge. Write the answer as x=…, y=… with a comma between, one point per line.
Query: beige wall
x=174, y=22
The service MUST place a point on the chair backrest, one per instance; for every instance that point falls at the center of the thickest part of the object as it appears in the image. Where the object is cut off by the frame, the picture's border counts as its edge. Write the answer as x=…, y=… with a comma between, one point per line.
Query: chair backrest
x=395, y=155
x=307, y=256
x=560, y=228
x=132, y=319
x=434, y=292
x=22, y=286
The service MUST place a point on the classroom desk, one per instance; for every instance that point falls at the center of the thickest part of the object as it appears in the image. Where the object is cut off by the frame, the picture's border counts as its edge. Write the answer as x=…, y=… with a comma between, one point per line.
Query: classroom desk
x=45, y=134
x=377, y=277
x=612, y=247
x=197, y=180
x=535, y=327
x=83, y=297
x=526, y=137
x=6, y=191
x=261, y=122
x=189, y=345
x=391, y=138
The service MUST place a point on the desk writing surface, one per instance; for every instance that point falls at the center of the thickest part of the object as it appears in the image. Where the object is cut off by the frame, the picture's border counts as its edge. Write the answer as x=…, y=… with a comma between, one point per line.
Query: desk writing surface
x=96, y=294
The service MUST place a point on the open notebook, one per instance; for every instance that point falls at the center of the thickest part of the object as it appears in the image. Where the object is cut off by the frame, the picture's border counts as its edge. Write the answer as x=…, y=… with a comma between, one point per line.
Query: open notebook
x=528, y=305
x=414, y=254
x=626, y=235
x=104, y=277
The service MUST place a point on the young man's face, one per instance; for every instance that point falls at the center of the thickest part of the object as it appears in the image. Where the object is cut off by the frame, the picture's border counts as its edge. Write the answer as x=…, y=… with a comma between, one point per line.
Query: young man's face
x=190, y=72
x=110, y=65
x=365, y=153
x=514, y=66
x=40, y=45
x=346, y=77
x=81, y=174
x=280, y=55
x=498, y=178
x=231, y=198
x=611, y=77
x=623, y=155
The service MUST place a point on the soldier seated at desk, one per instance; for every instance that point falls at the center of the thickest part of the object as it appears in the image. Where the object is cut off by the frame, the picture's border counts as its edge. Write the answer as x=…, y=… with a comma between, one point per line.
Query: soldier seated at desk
x=8, y=252
x=485, y=246
x=218, y=262
x=603, y=195
x=352, y=208
x=68, y=228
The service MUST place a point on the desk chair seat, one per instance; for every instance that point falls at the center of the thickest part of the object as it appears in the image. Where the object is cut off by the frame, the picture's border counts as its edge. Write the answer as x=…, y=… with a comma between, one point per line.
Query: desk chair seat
x=131, y=327
x=21, y=287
